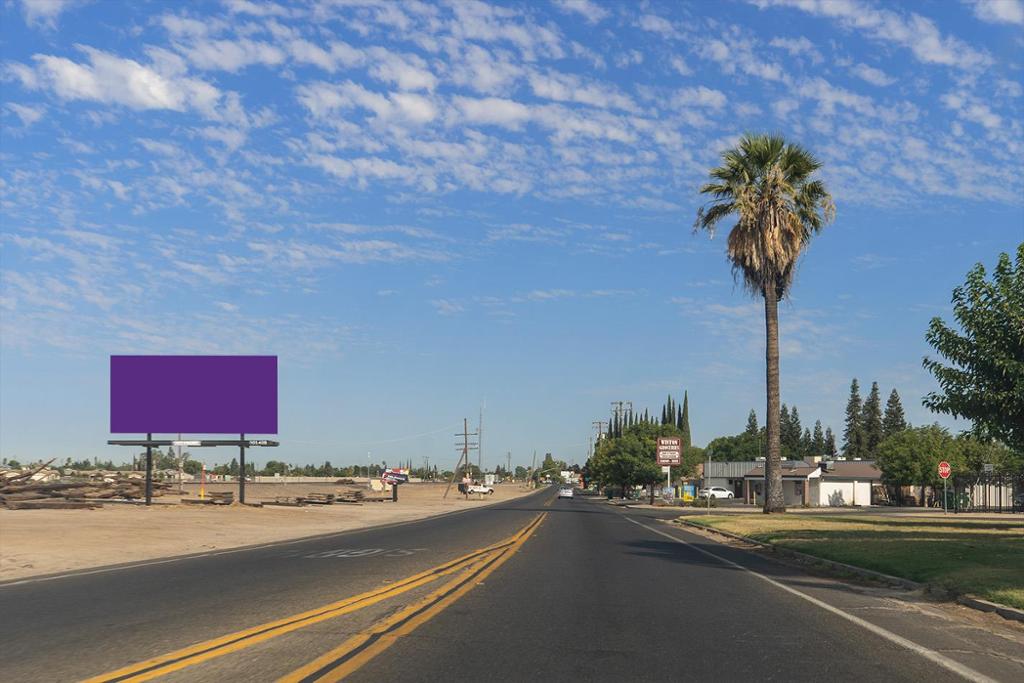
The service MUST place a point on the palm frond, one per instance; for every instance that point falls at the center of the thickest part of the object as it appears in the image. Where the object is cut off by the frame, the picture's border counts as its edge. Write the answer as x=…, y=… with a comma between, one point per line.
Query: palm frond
x=768, y=185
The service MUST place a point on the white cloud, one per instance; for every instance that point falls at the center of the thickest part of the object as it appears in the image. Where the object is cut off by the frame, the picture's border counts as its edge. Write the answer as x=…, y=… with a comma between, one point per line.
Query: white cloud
x=114, y=80
x=592, y=12
x=999, y=11
x=26, y=113
x=43, y=13
x=972, y=110
x=446, y=307
x=408, y=72
x=322, y=99
x=798, y=46
x=680, y=66
x=784, y=107
x=260, y=9
x=916, y=33
x=493, y=110
x=699, y=97
x=232, y=55
x=656, y=24
x=733, y=53
x=872, y=75
x=562, y=87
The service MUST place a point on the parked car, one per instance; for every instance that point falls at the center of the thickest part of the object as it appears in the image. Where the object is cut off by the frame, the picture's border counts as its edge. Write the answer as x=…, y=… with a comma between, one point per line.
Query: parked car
x=565, y=492
x=715, y=492
x=480, y=488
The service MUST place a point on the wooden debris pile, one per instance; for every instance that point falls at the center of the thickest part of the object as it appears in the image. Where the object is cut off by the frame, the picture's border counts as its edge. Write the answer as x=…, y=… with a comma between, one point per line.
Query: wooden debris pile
x=26, y=491
x=212, y=498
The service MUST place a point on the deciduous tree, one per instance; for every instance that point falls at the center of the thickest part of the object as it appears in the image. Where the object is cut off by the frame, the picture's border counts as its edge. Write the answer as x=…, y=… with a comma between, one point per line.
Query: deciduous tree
x=984, y=378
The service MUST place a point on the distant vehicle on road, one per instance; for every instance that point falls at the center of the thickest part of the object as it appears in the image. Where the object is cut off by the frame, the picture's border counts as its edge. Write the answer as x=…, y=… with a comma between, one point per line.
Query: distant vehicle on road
x=481, y=488
x=565, y=492
x=715, y=492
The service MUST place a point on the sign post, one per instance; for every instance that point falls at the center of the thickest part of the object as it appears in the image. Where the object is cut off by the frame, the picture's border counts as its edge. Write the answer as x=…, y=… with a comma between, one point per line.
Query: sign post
x=944, y=471
x=669, y=452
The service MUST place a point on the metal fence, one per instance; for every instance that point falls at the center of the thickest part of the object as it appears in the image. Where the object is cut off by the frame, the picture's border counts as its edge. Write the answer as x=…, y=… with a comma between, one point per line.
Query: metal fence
x=987, y=492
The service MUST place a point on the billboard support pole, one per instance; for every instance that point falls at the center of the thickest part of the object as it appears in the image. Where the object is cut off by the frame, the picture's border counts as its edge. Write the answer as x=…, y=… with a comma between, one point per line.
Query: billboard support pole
x=149, y=469
x=241, y=469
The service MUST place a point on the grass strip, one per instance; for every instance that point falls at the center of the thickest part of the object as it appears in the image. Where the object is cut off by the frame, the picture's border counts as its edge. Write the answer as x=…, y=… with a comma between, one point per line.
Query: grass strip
x=980, y=557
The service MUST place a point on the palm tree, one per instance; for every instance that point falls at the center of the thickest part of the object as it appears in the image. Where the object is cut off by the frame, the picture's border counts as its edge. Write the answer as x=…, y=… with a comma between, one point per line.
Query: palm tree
x=766, y=183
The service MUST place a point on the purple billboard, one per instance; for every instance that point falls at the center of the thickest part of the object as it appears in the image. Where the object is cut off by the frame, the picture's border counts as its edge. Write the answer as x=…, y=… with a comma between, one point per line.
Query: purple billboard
x=193, y=394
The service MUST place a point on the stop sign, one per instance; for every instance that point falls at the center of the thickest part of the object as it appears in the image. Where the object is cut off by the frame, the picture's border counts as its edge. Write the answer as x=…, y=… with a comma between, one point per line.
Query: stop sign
x=945, y=470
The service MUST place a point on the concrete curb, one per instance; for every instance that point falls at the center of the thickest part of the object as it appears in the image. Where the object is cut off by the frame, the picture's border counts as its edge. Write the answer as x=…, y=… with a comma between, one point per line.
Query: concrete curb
x=1004, y=611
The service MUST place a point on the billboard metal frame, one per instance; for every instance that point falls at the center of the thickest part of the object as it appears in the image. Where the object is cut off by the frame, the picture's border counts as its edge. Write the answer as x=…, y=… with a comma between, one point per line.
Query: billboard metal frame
x=149, y=442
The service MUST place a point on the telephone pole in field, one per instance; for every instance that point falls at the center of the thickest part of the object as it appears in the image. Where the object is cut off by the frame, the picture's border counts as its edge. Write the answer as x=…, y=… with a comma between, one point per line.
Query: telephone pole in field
x=465, y=447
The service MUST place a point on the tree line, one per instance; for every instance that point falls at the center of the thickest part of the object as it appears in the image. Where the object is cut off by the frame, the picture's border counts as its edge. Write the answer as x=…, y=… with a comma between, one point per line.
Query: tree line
x=796, y=442
x=625, y=456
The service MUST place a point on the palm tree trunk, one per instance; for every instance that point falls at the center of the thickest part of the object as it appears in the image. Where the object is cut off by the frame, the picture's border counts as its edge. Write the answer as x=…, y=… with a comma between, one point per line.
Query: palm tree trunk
x=774, y=500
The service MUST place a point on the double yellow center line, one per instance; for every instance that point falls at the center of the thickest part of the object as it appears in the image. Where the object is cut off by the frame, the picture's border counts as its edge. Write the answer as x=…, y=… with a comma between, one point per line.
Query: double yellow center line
x=233, y=642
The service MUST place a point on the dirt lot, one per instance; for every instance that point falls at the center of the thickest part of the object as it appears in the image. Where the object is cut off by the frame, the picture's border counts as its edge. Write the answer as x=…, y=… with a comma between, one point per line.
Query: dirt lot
x=36, y=542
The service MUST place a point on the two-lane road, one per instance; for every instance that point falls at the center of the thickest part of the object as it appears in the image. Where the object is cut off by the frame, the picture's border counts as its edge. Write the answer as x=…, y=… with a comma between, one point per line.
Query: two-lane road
x=532, y=589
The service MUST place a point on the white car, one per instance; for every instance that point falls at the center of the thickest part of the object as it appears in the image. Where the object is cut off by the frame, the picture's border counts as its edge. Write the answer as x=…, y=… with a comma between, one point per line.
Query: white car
x=715, y=492
x=565, y=492
x=480, y=488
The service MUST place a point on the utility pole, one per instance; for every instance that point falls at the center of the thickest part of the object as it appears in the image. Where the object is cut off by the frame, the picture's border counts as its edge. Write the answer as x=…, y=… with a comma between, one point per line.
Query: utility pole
x=465, y=448
x=480, y=441
x=599, y=426
x=620, y=408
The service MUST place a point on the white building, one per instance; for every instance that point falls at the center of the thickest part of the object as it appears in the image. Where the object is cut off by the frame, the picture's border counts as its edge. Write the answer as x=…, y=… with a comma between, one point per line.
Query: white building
x=830, y=483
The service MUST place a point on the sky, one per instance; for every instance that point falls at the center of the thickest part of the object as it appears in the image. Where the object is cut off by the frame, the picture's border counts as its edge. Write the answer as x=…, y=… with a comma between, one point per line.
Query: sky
x=426, y=210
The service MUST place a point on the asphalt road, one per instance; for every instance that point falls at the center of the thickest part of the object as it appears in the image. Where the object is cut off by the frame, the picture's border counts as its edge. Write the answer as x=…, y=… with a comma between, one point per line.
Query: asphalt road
x=589, y=592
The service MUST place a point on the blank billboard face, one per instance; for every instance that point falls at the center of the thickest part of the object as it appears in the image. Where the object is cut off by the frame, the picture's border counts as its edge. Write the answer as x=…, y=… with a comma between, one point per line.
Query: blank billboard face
x=193, y=394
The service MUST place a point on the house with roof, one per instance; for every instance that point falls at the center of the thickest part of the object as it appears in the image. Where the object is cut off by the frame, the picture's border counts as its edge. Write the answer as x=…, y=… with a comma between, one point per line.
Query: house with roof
x=828, y=483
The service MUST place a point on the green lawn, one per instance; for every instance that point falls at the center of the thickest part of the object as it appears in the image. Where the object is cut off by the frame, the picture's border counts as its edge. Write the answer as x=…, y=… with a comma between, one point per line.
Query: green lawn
x=981, y=557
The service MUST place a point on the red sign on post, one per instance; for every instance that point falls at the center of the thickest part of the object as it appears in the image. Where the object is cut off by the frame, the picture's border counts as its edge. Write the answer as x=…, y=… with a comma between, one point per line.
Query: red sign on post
x=670, y=450
x=945, y=470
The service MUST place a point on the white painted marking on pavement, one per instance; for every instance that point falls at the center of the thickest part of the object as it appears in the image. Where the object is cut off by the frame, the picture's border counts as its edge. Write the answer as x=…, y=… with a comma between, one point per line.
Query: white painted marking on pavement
x=931, y=655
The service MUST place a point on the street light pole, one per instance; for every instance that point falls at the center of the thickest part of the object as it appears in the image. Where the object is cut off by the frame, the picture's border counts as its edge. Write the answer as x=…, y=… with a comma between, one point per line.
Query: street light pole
x=707, y=475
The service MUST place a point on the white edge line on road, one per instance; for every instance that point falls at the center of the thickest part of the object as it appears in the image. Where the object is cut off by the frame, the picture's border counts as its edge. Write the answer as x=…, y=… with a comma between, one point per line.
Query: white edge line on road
x=928, y=654
x=228, y=551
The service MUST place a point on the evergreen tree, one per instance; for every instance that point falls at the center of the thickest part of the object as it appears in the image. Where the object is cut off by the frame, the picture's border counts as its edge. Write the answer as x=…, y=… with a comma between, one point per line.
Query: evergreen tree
x=853, y=432
x=871, y=423
x=818, y=440
x=830, y=443
x=751, y=429
x=893, y=422
x=784, y=426
x=664, y=414
x=795, y=431
x=684, y=422
x=806, y=444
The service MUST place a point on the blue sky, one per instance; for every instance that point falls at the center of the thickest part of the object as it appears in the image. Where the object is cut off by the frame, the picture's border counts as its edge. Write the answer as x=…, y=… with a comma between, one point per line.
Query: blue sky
x=423, y=208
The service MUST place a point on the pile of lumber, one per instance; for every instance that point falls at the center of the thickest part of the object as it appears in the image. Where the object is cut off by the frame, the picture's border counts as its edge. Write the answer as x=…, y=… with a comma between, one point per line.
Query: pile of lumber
x=25, y=494
x=213, y=498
